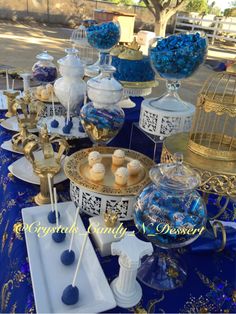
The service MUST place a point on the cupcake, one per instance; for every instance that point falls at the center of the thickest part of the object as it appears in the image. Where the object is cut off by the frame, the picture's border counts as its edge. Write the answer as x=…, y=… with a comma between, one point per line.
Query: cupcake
x=97, y=172
x=134, y=166
x=118, y=157
x=94, y=158
x=121, y=176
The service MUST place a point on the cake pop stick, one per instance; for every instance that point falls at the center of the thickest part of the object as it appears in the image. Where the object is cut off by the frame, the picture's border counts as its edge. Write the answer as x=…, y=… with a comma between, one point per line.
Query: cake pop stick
x=52, y=213
x=68, y=256
x=70, y=294
x=57, y=236
x=7, y=80
x=68, y=109
x=12, y=84
x=54, y=123
x=55, y=205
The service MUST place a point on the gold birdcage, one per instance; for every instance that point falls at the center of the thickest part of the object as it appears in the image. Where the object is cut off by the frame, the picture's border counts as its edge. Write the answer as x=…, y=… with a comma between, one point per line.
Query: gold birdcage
x=210, y=147
x=213, y=133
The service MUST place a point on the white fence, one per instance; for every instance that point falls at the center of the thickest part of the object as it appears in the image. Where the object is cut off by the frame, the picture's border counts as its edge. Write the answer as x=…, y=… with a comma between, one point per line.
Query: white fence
x=221, y=28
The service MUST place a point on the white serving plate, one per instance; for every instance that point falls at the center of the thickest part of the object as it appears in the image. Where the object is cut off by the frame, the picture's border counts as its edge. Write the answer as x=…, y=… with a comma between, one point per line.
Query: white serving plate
x=11, y=124
x=50, y=277
x=22, y=169
x=7, y=145
x=3, y=101
x=74, y=133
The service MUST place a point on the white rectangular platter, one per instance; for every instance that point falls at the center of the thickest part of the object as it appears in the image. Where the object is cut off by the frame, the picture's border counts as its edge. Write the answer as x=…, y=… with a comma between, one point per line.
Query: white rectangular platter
x=50, y=277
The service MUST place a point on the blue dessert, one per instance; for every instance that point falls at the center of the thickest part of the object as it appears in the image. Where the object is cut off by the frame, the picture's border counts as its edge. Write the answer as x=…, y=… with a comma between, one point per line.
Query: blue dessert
x=66, y=129
x=52, y=217
x=70, y=123
x=54, y=123
x=68, y=257
x=70, y=295
x=178, y=56
x=58, y=236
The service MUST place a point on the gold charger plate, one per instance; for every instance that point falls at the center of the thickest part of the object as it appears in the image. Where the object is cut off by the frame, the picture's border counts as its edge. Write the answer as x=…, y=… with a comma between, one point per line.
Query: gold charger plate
x=139, y=85
x=77, y=170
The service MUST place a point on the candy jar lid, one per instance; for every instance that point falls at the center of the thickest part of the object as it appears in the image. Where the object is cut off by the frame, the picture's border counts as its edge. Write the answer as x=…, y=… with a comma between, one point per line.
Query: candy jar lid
x=71, y=65
x=105, y=80
x=175, y=176
x=45, y=56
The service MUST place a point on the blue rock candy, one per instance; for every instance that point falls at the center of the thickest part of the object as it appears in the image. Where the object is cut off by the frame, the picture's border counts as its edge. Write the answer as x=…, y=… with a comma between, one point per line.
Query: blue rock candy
x=103, y=36
x=70, y=295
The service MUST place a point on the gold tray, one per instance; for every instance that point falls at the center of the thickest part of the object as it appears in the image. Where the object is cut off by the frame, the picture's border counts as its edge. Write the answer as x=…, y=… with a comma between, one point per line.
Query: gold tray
x=77, y=170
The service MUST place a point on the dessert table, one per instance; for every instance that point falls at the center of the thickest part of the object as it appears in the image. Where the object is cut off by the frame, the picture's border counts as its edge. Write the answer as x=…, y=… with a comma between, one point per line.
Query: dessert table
x=211, y=282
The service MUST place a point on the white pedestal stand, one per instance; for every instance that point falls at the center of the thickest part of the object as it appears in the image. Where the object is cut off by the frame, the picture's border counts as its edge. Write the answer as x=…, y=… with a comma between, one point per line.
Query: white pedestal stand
x=26, y=81
x=126, y=102
x=127, y=291
x=103, y=241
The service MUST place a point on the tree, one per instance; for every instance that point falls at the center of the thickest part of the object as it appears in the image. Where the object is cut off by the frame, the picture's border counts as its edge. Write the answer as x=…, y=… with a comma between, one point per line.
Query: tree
x=162, y=10
x=199, y=6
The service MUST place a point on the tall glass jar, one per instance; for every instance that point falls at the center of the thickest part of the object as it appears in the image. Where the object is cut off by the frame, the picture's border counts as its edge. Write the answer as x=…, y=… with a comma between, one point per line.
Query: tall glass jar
x=171, y=214
x=44, y=70
x=102, y=118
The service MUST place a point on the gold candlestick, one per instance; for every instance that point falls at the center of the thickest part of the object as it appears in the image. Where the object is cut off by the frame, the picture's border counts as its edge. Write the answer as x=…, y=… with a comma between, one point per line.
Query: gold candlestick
x=50, y=163
x=11, y=103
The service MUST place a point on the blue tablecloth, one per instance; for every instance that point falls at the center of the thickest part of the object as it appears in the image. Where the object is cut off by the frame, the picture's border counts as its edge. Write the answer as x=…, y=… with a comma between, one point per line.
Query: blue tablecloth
x=210, y=286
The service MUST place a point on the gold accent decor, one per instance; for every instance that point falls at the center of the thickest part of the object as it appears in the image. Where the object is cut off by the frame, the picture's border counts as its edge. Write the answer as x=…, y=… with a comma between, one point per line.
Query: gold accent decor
x=138, y=85
x=11, y=96
x=19, y=138
x=76, y=168
x=49, y=164
x=224, y=237
x=110, y=218
x=31, y=110
x=217, y=176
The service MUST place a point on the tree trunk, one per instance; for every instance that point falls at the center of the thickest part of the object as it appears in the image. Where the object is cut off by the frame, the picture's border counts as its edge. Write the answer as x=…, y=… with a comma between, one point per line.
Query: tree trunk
x=160, y=26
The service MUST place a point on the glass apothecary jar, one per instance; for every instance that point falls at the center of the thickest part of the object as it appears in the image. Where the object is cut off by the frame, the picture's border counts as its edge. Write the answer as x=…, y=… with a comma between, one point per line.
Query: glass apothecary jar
x=102, y=118
x=171, y=214
x=44, y=70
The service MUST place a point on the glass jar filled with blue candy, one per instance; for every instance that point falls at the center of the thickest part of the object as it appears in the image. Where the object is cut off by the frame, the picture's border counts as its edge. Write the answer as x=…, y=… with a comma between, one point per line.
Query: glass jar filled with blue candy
x=102, y=37
x=171, y=214
x=175, y=58
x=102, y=118
x=44, y=70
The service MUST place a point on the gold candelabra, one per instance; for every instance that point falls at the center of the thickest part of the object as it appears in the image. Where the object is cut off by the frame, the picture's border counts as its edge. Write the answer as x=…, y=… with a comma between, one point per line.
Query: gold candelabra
x=11, y=103
x=48, y=163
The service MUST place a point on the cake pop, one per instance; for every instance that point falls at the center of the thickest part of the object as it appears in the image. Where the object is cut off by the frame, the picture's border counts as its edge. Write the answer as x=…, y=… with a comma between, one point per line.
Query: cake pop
x=57, y=236
x=68, y=256
x=70, y=295
x=52, y=213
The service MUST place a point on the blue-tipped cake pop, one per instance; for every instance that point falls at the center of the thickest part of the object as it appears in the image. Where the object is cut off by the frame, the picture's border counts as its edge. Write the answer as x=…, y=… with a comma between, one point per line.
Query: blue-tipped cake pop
x=52, y=217
x=66, y=129
x=68, y=257
x=70, y=123
x=54, y=123
x=58, y=236
x=70, y=295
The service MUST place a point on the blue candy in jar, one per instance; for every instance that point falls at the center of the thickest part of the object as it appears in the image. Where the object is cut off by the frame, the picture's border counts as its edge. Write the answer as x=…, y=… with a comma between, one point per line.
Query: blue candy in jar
x=169, y=211
x=178, y=56
x=103, y=36
x=101, y=123
x=44, y=70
